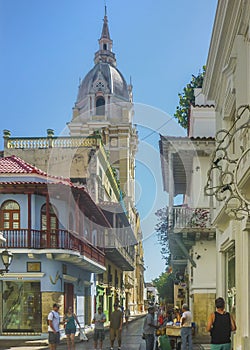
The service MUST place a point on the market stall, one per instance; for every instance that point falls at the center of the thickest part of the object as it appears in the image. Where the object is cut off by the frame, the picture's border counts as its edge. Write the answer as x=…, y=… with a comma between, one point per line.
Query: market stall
x=174, y=334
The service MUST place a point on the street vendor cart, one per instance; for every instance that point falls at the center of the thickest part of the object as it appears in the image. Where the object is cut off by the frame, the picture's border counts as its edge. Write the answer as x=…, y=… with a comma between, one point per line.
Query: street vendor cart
x=174, y=333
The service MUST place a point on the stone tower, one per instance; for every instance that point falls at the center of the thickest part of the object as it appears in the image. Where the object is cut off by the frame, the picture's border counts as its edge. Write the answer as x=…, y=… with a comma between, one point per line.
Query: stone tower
x=104, y=104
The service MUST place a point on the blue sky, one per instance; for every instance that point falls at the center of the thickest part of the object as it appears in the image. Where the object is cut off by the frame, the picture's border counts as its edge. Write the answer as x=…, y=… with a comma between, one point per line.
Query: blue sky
x=48, y=45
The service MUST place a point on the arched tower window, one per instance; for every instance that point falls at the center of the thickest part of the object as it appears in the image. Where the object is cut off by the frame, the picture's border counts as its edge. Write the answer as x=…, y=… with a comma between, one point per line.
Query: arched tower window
x=104, y=46
x=10, y=215
x=100, y=106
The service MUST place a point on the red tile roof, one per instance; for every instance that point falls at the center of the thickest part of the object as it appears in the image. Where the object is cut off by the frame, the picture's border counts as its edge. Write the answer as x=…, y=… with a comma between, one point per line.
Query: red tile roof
x=15, y=165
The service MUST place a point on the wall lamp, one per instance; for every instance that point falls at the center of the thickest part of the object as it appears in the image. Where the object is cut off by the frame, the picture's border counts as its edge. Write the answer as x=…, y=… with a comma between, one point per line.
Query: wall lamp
x=7, y=258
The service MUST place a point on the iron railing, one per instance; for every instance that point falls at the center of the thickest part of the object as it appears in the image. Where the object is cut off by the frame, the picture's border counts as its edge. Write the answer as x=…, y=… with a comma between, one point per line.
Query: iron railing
x=183, y=217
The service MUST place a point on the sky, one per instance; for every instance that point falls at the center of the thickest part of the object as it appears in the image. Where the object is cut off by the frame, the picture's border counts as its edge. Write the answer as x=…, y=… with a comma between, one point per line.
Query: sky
x=47, y=46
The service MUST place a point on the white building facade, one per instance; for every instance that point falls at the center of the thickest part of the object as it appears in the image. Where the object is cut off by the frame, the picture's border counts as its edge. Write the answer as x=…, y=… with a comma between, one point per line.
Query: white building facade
x=191, y=236
x=227, y=83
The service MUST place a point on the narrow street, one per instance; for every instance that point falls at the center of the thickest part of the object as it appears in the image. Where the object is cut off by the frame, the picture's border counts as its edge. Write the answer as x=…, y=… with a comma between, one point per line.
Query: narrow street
x=131, y=340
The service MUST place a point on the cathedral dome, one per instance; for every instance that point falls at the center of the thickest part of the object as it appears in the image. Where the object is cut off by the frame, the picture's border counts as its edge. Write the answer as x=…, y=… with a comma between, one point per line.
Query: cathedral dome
x=106, y=78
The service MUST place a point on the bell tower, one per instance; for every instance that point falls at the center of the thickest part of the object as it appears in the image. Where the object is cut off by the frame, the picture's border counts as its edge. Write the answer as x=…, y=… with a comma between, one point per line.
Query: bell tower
x=105, y=54
x=104, y=104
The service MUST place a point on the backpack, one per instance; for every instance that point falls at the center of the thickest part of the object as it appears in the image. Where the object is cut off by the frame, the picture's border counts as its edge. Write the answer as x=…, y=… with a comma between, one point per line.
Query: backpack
x=52, y=318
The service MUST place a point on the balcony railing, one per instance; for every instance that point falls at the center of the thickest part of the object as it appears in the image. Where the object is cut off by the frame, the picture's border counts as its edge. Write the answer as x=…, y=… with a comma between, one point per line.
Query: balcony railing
x=119, y=238
x=56, y=239
x=117, y=241
x=51, y=142
x=189, y=218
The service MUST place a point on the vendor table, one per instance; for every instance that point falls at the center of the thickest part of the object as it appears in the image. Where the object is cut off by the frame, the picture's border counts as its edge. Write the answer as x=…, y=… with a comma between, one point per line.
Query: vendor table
x=174, y=332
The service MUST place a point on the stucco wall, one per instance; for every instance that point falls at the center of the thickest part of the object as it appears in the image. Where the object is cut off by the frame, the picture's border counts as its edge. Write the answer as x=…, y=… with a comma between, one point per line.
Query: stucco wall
x=203, y=306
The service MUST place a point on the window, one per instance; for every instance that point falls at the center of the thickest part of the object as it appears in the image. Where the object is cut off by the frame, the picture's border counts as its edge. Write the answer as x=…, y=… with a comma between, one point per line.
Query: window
x=71, y=222
x=53, y=220
x=94, y=238
x=100, y=106
x=21, y=306
x=52, y=217
x=10, y=215
x=230, y=279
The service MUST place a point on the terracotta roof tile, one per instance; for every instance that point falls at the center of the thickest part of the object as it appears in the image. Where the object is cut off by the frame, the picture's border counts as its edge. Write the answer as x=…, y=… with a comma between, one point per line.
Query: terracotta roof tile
x=15, y=165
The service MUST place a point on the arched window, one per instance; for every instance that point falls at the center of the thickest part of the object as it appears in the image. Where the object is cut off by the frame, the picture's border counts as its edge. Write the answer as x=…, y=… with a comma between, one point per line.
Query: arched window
x=52, y=217
x=100, y=106
x=104, y=46
x=10, y=215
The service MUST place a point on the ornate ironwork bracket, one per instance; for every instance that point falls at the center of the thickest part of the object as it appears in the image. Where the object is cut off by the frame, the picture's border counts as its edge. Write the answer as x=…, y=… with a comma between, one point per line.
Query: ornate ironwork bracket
x=230, y=160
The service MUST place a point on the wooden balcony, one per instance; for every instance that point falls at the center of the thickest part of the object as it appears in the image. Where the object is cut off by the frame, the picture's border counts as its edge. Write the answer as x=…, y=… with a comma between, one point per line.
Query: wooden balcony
x=185, y=227
x=60, y=242
x=189, y=220
x=119, y=249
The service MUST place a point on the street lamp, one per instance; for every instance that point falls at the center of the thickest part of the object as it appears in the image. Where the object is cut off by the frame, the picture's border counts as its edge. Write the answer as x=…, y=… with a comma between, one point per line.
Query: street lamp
x=6, y=257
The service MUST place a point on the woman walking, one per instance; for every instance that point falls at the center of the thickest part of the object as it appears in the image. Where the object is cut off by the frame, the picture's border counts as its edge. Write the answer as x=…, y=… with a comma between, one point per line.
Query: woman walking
x=70, y=320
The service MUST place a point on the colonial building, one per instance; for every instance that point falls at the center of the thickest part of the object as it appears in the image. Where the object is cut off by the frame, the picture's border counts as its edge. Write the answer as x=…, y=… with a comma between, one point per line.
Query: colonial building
x=151, y=295
x=227, y=83
x=191, y=236
x=49, y=224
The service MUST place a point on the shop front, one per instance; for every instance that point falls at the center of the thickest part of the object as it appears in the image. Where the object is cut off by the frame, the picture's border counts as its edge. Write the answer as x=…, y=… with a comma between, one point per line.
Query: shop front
x=21, y=307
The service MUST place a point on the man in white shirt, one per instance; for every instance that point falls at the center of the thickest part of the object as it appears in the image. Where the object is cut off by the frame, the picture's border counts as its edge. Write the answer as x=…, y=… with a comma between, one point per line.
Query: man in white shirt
x=149, y=328
x=53, y=327
x=99, y=334
x=186, y=328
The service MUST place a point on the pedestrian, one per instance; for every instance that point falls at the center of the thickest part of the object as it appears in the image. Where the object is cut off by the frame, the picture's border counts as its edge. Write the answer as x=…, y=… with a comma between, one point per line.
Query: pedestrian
x=127, y=314
x=70, y=320
x=115, y=329
x=99, y=320
x=220, y=325
x=149, y=328
x=186, y=328
x=53, y=327
x=177, y=315
x=169, y=316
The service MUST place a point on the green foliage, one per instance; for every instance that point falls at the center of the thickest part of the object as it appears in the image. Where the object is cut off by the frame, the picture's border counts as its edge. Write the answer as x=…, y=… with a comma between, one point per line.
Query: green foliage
x=161, y=229
x=164, y=284
x=187, y=98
